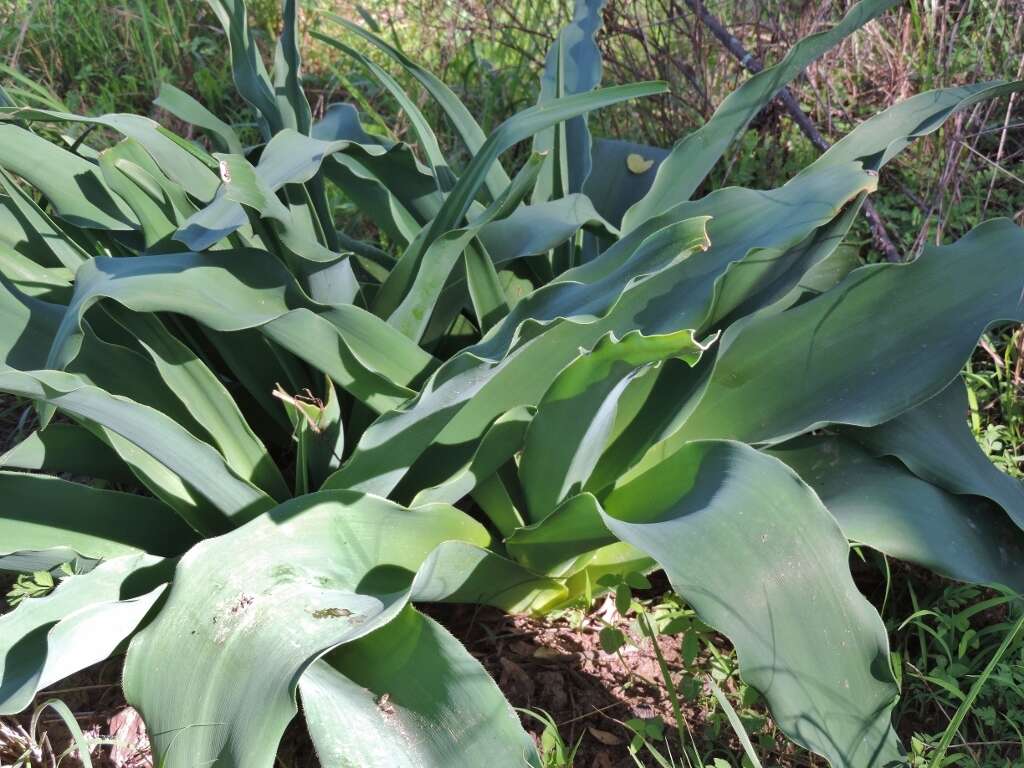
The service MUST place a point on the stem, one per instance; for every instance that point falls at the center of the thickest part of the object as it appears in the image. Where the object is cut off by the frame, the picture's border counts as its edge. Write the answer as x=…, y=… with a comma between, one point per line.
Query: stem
x=670, y=687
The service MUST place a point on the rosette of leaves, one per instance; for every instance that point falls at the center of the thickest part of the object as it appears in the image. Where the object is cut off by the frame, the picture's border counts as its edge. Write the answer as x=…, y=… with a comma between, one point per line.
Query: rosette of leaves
x=262, y=441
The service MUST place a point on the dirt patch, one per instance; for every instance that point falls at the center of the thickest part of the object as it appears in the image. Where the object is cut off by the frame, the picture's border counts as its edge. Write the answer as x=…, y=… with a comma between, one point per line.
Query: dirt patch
x=555, y=665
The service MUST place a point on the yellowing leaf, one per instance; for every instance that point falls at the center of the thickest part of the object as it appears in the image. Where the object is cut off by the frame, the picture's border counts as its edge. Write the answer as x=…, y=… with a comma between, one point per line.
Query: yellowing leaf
x=637, y=164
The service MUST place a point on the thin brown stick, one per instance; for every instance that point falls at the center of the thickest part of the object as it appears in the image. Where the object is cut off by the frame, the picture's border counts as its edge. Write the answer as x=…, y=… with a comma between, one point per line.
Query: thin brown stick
x=749, y=61
x=21, y=34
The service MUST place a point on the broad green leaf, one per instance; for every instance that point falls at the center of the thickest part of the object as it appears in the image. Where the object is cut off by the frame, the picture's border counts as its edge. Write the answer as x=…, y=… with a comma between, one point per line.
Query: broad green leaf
x=877, y=502
x=249, y=611
x=767, y=276
x=513, y=366
x=341, y=121
x=752, y=282
x=238, y=290
x=288, y=158
x=81, y=622
x=151, y=206
x=243, y=185
x=662, y=397
x=825, y=361
x=622, y=174
x=682, y=296
x=694, y=156
x=209, y=403
x=153, y=433
x=145, y=378
x=565, y=540
x=935, y=441
x=575, y=418
x=180, y=161
x=247, y=67
x=393, y=189
x=27, y=229
x=534, y=229
x=411, y=696
x=753, y=550
x=461, y=571
x=50, y=284
x=72, y=184
x=185, y=108
x=70, y=449
x=659, y=279
x=42, y=512
x=572, y=65
x=424, y=286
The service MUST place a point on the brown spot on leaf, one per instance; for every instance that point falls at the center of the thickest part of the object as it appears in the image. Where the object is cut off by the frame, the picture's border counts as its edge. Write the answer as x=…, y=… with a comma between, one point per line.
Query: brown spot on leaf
x=331, y=613
x=384, y=705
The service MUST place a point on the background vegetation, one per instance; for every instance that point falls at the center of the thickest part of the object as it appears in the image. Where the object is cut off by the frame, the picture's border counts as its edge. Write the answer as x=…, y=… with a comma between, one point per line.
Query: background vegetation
x=96, y=56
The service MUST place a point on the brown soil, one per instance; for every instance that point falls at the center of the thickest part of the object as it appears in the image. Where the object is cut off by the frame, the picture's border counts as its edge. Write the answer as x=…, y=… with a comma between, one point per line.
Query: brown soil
x=551, y=665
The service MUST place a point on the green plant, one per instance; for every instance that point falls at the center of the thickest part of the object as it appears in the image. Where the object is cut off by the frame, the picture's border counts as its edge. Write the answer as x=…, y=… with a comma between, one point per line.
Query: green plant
x=958, y=655
x=554, y=752
x=605, y=376
x=36, y=584
x=26, y=748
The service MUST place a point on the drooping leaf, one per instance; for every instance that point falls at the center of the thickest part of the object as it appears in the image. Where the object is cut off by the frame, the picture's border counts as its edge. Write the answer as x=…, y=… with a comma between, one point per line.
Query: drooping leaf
x=153, y=433
x=67, y=448
x=180, y=161
x=435, y=435
x=44, y=513
x=209, y=402
x=879, y=139
x=807, y=640
x=72, y=184
x=565, y=540
x=879, y=503
x=313, y=574
x=824, y=361
x=659, y=279
x=411, y=696
x=237, y=290
x=31, y=232
x=936, y=443
x=82, y=622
